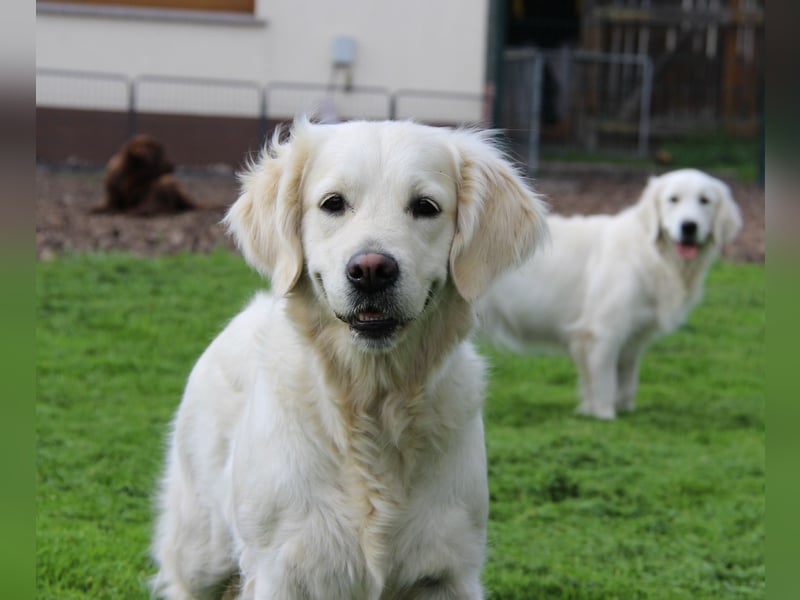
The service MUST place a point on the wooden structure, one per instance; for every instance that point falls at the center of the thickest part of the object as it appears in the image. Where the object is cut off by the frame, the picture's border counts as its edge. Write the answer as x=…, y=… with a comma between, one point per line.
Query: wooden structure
x=707, y=57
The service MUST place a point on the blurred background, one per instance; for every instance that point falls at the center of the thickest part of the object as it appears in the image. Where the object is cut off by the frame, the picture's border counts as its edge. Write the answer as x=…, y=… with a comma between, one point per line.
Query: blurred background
x=640, y=81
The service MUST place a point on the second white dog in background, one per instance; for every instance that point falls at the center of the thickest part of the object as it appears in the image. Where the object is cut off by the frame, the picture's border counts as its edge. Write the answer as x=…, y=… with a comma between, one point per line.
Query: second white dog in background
x=609, y=284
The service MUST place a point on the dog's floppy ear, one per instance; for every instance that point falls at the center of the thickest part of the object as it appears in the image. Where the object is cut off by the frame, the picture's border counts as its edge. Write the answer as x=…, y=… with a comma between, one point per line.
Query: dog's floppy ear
x=728, y=220
x=265, y=220
x=500, y=220
x=647, y=208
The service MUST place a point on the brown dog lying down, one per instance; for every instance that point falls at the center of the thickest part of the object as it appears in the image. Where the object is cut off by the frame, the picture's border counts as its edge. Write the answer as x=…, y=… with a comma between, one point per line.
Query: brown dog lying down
x=139, y=181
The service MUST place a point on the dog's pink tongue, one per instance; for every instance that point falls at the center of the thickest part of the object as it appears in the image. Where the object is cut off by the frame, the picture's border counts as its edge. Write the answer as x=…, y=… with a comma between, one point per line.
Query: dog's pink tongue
x=687, y=251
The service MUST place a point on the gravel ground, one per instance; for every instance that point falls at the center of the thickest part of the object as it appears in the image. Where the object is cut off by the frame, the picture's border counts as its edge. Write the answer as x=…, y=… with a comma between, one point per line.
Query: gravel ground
x=64, y=221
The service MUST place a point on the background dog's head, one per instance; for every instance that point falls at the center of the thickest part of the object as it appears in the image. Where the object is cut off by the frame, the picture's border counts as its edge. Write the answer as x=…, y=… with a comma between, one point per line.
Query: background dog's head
x=692, y=208
x=143, y=156
x=381, y=217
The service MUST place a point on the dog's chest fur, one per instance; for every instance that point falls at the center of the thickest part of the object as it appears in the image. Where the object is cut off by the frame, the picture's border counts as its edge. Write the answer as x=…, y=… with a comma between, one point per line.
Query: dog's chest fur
x=378, y=470
x=386, y=429
x=679, y=285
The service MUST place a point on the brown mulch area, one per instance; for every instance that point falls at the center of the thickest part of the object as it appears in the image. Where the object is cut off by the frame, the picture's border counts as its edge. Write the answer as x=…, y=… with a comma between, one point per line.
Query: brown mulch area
x=64, y=221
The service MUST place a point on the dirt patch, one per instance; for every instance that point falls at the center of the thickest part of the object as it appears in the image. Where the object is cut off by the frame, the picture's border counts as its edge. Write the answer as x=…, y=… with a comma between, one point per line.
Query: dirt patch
x=64, y=221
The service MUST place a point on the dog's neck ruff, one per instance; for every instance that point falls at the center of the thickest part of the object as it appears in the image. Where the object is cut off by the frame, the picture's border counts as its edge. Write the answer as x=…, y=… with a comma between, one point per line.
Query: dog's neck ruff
x=690, y=273
x=364, y=376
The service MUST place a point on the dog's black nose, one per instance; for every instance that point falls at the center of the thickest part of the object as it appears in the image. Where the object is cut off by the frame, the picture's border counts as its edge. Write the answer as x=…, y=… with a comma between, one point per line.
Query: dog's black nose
x=372, y=272
x=689, y=230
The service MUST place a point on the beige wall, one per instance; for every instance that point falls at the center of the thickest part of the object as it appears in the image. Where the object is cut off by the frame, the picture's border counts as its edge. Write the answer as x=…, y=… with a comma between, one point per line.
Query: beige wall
x=423, y=44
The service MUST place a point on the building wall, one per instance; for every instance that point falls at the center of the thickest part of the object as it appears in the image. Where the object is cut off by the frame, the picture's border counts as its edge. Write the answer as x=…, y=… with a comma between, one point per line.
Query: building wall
x=423, y=44
x=436, y=46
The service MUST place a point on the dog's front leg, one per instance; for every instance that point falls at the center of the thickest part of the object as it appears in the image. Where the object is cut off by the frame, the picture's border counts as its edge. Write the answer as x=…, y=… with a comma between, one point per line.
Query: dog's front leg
x=628, y=378
x=596, y=360
x=267, y=580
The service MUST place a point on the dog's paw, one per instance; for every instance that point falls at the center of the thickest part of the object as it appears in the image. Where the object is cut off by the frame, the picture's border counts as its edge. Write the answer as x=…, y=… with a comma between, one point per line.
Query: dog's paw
x=606, y=414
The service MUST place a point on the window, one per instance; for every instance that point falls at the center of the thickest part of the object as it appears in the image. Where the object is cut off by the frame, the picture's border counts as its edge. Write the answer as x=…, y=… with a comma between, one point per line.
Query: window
x=239, y=6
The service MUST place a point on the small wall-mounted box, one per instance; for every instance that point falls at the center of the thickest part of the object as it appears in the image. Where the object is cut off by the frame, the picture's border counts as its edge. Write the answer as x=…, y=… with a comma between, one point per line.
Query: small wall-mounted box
x=344, y=51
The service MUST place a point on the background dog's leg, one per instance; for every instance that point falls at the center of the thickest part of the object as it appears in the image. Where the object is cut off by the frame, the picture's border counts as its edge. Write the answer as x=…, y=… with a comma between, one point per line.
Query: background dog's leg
x=628, y=378
x=597, y=369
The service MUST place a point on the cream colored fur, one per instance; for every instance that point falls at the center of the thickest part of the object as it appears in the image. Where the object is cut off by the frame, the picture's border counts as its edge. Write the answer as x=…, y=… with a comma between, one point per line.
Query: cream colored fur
x=608, y=285
x=307, y=461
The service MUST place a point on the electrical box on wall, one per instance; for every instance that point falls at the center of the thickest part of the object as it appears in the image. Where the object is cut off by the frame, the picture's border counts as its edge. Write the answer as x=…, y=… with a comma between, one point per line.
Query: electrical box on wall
x=344, y=51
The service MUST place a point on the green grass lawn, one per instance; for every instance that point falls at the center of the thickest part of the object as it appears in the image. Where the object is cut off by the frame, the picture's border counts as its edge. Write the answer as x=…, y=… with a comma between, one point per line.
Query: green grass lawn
x=665, y=503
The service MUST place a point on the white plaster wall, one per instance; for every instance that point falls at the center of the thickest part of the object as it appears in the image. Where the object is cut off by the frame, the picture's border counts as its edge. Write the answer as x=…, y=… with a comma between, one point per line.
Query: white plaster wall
x=435, y=45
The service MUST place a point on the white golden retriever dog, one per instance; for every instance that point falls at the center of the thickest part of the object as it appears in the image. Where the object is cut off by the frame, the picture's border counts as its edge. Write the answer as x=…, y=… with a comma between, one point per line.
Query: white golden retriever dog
x=329, y=444
x=609, y=284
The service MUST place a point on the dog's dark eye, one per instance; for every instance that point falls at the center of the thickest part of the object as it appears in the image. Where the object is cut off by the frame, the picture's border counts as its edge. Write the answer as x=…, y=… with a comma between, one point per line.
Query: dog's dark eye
x=333, y=204
x=673, y=199
x=703, y=200
x=423, y=208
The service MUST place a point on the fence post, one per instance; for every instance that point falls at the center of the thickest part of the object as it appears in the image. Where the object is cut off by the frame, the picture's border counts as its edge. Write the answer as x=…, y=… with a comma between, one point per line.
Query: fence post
x=536, y=112
x=262, y=118
x=498, y=7
x=132, y=116
x=644, y=107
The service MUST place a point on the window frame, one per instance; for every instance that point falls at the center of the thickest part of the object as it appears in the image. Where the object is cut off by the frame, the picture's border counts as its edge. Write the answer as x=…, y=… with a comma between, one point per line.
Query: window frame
x=244, y=7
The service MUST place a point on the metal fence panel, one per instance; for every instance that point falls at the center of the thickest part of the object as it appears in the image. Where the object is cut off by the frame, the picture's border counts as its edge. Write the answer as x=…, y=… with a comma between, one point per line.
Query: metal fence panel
x=198, y=96
x=286, y=100
x=521, y=105
x=609, y=100
x=440, y=108
x=83, y=90
x=576, y=100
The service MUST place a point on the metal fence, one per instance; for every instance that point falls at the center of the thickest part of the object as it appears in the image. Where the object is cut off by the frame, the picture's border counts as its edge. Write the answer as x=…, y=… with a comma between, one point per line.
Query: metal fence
x=656, y=68
x=85, y=90
x=205, y=121
x=197, y=96
x=440, y=107
x=285, y=99
x=522, y=104
x=575, y=99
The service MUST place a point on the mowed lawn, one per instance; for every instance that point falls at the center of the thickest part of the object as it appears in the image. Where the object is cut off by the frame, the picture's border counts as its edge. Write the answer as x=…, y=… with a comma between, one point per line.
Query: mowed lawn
x=665, y=503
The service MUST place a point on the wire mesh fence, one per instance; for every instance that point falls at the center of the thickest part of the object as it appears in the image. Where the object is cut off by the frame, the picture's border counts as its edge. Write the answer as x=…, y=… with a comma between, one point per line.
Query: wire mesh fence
x=645, y=71
x=208, y=121
x=590, y=101
x=284, y=100
x=197, y=96
x=441, y=108
x=576, y=100
x=83, y=90
x=521, y=106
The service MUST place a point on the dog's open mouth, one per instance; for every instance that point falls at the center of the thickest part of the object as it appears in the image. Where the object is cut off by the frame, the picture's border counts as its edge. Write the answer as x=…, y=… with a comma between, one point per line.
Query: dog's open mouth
x=373, y=323
x=687, y=250
x=379, y=321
